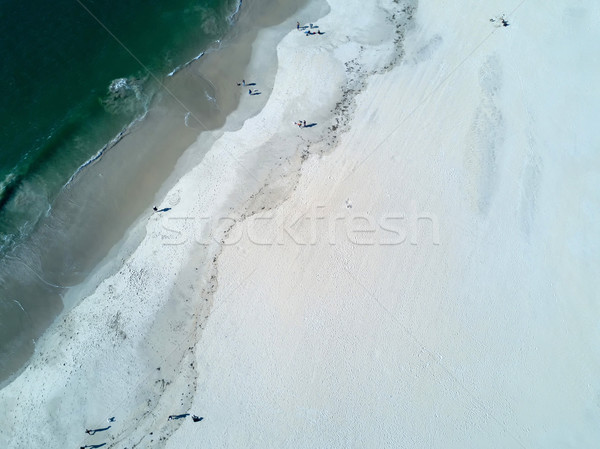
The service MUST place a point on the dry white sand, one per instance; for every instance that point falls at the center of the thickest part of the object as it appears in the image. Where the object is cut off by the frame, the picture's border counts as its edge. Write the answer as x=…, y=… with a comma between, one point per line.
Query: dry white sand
x=489, y=338
x=424, y=273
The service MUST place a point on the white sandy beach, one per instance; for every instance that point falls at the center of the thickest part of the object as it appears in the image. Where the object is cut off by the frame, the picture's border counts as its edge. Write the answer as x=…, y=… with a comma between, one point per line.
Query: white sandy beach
x=419, y=269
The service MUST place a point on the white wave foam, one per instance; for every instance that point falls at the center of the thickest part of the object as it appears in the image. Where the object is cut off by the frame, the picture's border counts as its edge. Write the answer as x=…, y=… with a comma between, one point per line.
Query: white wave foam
x=19, y=304
x=7, y=181
x=210, y=98
x=231, y=18
x=124, y=132
x=183, y=66
x=118, y=85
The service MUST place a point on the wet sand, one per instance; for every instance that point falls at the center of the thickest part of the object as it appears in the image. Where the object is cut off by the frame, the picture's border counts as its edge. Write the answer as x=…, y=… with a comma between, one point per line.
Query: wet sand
x=114, y=194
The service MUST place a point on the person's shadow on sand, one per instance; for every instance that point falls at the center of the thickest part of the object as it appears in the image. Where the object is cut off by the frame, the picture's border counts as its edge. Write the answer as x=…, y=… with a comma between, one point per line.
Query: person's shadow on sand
x=93, y=431
x=183, y=415
x=310, y=125
x=166, y=209
x=92, y=446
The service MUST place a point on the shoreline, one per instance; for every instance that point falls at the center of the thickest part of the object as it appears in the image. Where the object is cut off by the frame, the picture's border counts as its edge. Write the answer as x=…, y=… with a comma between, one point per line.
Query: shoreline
x=73, y=240
x=66, y=338
x=285, y=332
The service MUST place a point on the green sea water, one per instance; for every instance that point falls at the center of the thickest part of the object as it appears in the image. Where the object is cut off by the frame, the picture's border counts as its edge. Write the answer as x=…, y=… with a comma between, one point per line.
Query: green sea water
x=74, y=74
x=58, y=62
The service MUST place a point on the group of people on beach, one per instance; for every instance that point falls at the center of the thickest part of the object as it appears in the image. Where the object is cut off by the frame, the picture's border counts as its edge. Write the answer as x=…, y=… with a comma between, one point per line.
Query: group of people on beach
x=250, y=91
x=307, y=29
x=195, y=418
x=185, y=415
x=308, y=32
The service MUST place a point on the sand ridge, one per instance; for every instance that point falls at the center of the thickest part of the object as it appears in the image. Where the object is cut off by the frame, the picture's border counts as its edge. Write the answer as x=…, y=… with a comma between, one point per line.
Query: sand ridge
x=455, y=338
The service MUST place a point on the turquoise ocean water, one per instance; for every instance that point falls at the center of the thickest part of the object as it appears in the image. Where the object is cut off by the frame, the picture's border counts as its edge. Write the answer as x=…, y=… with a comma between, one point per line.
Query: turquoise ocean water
x=75, y=73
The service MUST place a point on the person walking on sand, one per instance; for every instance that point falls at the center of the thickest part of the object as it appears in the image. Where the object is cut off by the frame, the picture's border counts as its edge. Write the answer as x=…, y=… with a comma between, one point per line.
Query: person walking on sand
x=249, y=91
x=89, y=432
x=298, y=26
x=304, y=124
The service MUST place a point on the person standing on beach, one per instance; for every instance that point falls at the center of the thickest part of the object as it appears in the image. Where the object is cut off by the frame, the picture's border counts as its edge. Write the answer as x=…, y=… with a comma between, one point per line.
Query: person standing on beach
x=304, y=124
x=298, y=26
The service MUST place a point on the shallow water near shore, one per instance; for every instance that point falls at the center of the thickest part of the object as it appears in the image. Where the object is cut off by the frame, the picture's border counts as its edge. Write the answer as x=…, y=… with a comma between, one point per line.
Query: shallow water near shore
x=91, y=214
x=76, y=73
